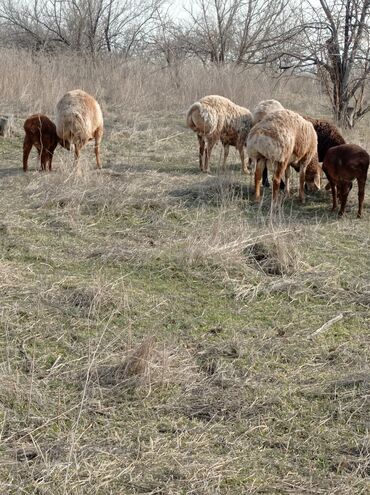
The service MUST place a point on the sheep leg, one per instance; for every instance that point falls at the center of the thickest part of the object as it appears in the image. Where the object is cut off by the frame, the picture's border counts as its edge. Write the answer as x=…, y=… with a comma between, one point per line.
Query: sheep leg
x=361, y=195
x=244, y=160
x=201, y=151
x=334, y=194
x=278, y=174
x=208, y=150
x=226, y=154
x=343, y=195
x=27, y=146
x=258, y=179
x=51, y=155
x=287, y=184
x=77, y=159
x=240, y=146
x=251, y=164
x=302, y=176
x=265, y=178
x=98, y=137
x=44, y=158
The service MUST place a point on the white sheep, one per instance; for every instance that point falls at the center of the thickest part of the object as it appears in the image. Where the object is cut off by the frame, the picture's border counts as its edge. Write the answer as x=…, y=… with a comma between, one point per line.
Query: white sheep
x=79, y=119
x=263, y=108
x=216, y=118
x=282, y=138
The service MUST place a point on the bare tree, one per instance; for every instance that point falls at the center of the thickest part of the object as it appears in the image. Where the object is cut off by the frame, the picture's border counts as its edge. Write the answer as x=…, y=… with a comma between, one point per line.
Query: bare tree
x=83, y=25
x=235, y=30
x=334, y=43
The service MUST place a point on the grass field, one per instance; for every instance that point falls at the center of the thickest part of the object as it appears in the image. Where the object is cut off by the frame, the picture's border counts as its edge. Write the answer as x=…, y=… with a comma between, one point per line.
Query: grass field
x=157, y=326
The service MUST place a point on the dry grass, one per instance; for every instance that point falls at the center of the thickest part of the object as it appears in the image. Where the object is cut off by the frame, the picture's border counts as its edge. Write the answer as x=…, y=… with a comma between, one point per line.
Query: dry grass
x=155, y=322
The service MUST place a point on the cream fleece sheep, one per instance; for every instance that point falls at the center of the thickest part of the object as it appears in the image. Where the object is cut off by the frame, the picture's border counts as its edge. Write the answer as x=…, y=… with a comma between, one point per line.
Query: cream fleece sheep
x=216, y=118
x=78, y=120
x=263, y=108
x=279, y=139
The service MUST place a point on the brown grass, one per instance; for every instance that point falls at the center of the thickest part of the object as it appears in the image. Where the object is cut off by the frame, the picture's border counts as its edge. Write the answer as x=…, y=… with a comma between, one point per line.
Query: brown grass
x=154, y=321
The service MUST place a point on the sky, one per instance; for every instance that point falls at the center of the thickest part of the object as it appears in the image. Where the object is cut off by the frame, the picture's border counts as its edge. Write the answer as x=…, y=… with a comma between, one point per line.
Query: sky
x=177, y=8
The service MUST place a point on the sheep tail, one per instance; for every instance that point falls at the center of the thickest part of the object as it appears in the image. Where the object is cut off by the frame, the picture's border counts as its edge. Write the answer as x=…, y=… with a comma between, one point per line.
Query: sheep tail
x=189, y=116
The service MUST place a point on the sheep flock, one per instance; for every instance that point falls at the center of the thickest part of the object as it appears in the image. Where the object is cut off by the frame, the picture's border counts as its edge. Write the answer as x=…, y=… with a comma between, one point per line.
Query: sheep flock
x=270, y=138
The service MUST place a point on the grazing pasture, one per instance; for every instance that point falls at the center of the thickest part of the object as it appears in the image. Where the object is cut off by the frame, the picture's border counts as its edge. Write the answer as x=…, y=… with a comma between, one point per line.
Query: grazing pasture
x=160, y=332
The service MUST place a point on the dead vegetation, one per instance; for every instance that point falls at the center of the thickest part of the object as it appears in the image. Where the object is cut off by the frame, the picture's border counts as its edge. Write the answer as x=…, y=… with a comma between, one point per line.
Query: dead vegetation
x=155, y=323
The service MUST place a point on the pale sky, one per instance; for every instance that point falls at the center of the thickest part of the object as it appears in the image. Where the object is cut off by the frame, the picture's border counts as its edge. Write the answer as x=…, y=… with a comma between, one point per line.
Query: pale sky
x=177, y=7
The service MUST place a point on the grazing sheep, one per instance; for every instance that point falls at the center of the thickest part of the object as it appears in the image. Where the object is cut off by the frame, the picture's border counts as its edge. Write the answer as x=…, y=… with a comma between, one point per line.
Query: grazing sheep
x=41, y=133
x=342, y=164
x=216, y=118
x=263, y=108
x=79, y=119
x=282, y=138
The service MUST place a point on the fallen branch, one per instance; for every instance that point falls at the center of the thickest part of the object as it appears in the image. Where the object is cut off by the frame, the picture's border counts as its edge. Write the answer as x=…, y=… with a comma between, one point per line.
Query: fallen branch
x=326, y=326
x=170, y=137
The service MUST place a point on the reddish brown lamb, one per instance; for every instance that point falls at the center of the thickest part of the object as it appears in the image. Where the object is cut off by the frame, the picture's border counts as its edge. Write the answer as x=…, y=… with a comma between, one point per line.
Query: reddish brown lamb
x=343, y=164
x=41, y=133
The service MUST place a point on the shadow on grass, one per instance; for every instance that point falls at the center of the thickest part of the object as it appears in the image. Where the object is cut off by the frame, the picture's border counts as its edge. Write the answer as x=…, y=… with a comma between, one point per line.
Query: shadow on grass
x=224, y=190
x=172, y=168
x=11, y=171
x=214, y=191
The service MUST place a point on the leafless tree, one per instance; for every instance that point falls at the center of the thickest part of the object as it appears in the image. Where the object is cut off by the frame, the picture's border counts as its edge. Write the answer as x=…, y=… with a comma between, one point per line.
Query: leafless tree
x=235, y=30
x=83, y=25
x=334, y=43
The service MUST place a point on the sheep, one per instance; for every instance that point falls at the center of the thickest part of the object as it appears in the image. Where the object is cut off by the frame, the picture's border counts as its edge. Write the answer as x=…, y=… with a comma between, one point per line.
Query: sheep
x=40, y=132
x=216, y=118
x=342, y=164
x=279, y=139
x=79, y=119
x=263, y=108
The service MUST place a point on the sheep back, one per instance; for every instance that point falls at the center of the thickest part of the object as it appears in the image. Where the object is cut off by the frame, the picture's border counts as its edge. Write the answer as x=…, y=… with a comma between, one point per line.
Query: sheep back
x=78, y=116
x=264, y=108
x=218, y=117
x=282, y=136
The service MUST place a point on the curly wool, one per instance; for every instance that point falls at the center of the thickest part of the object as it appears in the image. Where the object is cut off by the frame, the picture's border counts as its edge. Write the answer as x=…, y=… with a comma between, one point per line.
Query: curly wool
x=78, y=117
x=218, y=118
x=282, y=136
x=328, y=135
x=264, y=108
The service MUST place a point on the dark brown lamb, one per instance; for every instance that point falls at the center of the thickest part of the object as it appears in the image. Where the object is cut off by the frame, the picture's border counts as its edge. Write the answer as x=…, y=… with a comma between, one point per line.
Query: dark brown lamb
x=40, y=132
x=343, y=164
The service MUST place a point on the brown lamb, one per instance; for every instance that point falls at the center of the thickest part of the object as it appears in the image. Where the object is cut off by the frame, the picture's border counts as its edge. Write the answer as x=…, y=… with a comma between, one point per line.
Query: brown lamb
x=343, y=164
x=41, y=133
